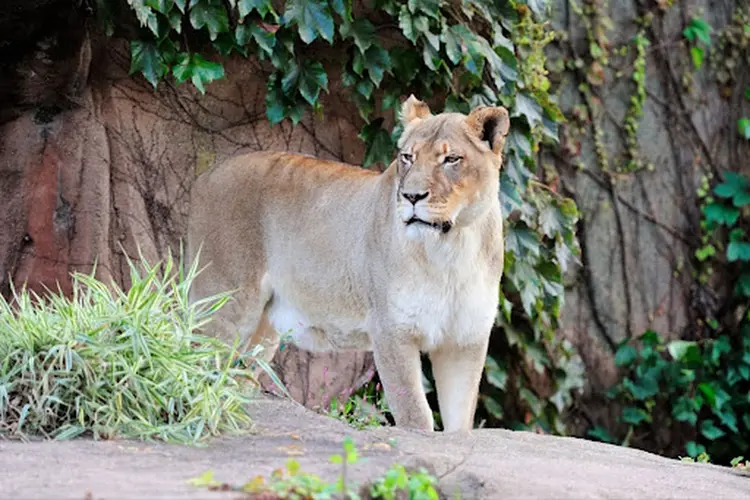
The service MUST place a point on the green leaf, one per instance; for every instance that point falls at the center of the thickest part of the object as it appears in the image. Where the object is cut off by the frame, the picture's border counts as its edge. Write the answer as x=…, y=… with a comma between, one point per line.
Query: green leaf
x=694, y=449
x=646, y=387
x=698, y=29
x=146, y=16
x=180, y=5
x=379, y=144
x=600, y=433
x=265, y=40
x=312, y=17
x=685, y=410
x=696, y=53
x=496, y=375
x=709, y=392
x=528, y=108
x=710, y=431
x=199, y=70
x=428, y=7
x=721, y=214
x=210, y=16
x=262, y=7
x=406, y=23
x=634, y=416
x=625, y=355
x=343, y=8
x=145, y=58
x=493, y=407
x=551, y=220
x=743, y=125
x=274, y=101
x=509, y=195
x=312, y=79
x=361, y=31
x=738, y=250
x=522, y=241
x=378, y=62
x=161, y=6
x=683, y=350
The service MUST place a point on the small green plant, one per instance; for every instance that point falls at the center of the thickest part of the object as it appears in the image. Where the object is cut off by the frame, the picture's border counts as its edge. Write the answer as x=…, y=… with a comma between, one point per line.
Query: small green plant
x=117, y=364
x=397, y=482
x=698, y=33
x=365, y=409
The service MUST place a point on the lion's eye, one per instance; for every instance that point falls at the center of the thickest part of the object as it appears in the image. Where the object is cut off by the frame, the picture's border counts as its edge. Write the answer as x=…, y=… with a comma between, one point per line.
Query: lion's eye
x=407, y=157
x=452, y=159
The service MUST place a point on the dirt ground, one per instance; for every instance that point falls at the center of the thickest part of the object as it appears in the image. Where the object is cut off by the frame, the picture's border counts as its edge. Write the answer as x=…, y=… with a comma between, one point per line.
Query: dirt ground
x=483, y=464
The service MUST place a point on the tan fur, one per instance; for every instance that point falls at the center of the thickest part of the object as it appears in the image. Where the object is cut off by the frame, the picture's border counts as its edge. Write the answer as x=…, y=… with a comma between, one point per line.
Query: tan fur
x=322, y=251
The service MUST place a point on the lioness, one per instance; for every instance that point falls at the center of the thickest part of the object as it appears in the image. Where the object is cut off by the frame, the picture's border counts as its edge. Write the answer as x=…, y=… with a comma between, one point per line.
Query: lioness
x=340, y=257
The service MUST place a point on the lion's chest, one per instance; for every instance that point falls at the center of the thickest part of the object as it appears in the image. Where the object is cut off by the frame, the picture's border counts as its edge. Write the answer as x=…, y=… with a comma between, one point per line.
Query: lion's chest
x=459, y=309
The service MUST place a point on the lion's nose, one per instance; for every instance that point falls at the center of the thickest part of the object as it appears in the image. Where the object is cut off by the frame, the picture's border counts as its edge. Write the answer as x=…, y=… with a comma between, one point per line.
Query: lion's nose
x=415, y=197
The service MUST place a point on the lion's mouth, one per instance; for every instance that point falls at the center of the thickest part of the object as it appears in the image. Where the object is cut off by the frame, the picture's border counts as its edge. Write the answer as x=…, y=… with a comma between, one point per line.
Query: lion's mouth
x=443, y=227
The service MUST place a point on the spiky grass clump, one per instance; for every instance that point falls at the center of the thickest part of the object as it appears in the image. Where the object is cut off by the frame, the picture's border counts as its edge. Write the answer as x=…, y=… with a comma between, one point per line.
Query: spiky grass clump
x=118, y=364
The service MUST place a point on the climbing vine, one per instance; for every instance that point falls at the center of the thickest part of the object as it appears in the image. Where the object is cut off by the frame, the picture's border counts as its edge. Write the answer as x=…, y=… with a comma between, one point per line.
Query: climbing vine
x=467, y=52
x=697, y=386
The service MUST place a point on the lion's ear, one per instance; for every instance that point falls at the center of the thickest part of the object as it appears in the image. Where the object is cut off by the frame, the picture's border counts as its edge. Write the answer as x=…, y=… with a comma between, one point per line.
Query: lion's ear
x=413, y=110
x=490, y=125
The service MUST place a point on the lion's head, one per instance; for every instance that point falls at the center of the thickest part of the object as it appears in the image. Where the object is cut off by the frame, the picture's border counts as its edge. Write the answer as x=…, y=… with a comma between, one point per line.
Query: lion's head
x=448, y=165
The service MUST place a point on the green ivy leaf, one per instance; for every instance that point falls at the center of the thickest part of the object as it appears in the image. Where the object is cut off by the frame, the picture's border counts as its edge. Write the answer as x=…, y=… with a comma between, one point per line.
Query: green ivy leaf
x=634, y=416
x=625, y=355
x=685, y=410
x=600, y=433
x=180, y=5
x=161, y=6
x=199, y=70
x=551, y=220
x=493, y=407
x=522, y=241
x=312, y=79
x=527, y=107
x=378, y=62
x=698, y=29
x=312, y=17
x=696, y=54
x=274, y=101
x=379, y=144
x=362, y=32
x=738, y=250
x=343, y=8
x=265, y=40
x=430, y=8
x=210, y=16
x=743, y=125
x=683, y=350
x=509, y=195
x=710, y=431
x=496, y=375
x=145, y=15
x=644, y=388
x=146, y=58
x=262, y=7
x=721, y=214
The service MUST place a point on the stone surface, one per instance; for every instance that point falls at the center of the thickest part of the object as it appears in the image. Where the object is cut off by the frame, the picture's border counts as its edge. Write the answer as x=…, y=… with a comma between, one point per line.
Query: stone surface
x=484, y=464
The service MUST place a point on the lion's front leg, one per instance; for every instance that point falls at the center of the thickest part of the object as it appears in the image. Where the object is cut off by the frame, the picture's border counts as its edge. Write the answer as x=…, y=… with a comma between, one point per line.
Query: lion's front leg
x=458, y=371
x=400, y=369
